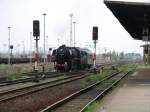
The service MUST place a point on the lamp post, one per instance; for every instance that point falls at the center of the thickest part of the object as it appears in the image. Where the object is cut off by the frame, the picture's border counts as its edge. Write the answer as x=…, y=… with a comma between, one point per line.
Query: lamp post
x=74, y=34
x=23, y=49
x=44, y=38
x=58, y=41
x=30, y=48
x=105, y=53
x=9, y=45
x=47, y=44
x=18, y=46
x=5, y=47
x=46, y=50
x=71, y=15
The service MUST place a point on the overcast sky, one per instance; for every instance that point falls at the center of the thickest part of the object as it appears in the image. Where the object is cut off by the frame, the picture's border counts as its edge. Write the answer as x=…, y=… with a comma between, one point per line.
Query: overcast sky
x=19, y=14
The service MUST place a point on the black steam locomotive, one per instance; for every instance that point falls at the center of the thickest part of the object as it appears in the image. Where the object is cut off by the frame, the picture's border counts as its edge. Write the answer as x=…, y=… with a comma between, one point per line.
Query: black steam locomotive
x=71, y=58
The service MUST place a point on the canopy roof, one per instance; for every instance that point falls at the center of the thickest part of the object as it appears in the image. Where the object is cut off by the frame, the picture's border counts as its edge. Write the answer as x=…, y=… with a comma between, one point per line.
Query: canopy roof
x=133, y=16
x=145, y=45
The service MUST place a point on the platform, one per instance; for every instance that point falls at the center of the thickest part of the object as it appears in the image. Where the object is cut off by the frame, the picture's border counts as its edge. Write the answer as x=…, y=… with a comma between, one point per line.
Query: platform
x=131, y=95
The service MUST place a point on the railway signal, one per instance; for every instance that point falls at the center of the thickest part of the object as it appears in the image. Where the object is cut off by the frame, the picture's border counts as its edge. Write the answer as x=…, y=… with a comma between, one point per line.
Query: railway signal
x=36, y=34
x=36, y=30
x=95, y=33
x=11, y=47
x=49, y=55
x=95, y=38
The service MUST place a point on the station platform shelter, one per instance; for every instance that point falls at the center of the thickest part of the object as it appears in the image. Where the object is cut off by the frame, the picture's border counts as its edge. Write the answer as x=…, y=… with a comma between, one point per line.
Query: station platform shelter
x=133, y=16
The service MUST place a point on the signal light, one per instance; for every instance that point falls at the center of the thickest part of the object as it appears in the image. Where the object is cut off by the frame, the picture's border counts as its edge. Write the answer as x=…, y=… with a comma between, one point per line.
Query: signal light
x=11, y=46
x=36, y=29
x=95, y=33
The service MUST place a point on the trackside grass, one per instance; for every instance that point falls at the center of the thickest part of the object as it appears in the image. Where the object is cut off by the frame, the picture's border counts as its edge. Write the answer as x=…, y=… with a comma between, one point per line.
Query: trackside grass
x=15, y=71
x=97, y=77
x=143, y=66
x=92, y=107
x=123, y=68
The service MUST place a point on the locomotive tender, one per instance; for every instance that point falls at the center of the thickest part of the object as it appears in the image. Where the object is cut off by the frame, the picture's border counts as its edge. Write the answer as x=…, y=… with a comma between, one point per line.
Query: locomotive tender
x=72, y=58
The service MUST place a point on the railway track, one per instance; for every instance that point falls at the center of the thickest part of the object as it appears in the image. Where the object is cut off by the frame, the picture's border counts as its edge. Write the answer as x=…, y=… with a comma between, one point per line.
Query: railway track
x=11, y=94
x=32, y=78
x=34, y=95
x=78, y=101
x=37, y=99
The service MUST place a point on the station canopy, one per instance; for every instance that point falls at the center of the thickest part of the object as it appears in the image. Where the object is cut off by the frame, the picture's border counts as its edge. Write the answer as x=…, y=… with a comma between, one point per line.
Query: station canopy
x=134, y=16
x=145, y=45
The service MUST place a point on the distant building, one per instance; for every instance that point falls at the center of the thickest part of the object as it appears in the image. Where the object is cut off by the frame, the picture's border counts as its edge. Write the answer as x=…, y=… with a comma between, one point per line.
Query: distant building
x=133, y=56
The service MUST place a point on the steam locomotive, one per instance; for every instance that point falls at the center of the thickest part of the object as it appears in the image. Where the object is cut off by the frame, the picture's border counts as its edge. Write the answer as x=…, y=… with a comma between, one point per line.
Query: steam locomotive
x=71, y=58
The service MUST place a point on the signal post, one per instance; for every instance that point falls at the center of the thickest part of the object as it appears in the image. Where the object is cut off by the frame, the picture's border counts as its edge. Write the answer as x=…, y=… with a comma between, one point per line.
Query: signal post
x=95, y=38
x=36, y=34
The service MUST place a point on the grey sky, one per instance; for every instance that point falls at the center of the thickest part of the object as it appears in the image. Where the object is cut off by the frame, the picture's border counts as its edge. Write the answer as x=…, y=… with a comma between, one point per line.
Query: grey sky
x=19, y=14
